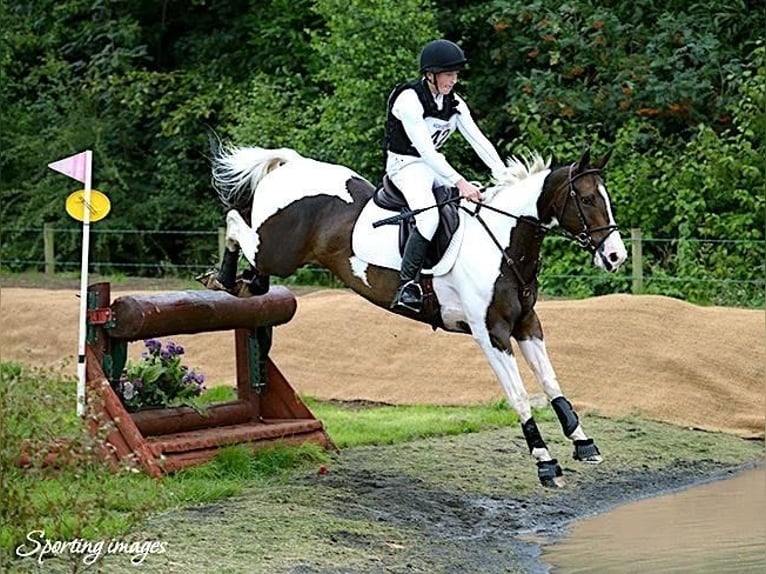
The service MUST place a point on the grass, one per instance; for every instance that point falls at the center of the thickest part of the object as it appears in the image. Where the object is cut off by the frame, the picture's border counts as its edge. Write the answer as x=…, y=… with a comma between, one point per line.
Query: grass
x=350, y=425
x=280, y=495
x=381, y=425
x=86, y=499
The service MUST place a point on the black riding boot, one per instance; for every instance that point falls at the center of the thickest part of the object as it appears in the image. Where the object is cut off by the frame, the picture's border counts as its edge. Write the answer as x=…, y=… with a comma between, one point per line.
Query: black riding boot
x=410, y=295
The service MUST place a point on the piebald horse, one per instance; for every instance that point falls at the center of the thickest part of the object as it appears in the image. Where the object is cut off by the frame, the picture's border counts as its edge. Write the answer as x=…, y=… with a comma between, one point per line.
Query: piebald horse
x=286, y=210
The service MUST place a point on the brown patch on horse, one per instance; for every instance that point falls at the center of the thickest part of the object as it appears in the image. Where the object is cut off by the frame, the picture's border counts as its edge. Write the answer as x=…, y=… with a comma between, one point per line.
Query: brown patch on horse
x=529, y=327
x=515, y=290
x=587, y=203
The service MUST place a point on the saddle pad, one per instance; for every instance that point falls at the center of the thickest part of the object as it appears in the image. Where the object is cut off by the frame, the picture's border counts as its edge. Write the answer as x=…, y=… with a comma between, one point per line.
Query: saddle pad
x=380, y=246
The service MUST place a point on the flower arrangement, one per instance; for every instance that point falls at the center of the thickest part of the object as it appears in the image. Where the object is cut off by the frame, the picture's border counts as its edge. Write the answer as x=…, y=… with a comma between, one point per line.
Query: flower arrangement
x=159, y=379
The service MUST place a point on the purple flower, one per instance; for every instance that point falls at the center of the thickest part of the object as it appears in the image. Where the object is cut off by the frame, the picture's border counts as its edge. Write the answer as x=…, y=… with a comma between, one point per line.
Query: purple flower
x=162, y=361
x=153, y=345
x=174, y=349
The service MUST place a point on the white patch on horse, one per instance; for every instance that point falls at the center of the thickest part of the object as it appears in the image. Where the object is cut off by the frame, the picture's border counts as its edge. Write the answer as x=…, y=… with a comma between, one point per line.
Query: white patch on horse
x=298, y=180
x=613, y=248
x=359, y=269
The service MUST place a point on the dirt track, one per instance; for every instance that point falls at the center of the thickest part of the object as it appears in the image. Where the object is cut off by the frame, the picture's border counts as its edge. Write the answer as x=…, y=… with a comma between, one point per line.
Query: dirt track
x=616, y=355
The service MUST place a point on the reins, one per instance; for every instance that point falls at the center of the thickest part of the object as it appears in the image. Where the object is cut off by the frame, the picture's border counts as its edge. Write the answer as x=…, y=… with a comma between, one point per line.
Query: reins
x=583, y=238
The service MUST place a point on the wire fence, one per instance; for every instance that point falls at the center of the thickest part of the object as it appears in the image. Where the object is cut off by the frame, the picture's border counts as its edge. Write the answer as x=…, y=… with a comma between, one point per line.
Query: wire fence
x=641, y=274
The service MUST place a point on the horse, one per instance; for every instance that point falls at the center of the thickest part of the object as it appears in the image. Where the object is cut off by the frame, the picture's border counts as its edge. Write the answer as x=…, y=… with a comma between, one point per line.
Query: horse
x=285, y=210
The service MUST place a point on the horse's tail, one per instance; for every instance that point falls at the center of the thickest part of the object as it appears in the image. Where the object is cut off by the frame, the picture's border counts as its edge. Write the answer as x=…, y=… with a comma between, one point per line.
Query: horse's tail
x=237, y=171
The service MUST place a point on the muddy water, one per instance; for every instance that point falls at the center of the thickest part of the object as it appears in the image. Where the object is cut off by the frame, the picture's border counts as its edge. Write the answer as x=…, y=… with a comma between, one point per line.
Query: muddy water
x=718, y=527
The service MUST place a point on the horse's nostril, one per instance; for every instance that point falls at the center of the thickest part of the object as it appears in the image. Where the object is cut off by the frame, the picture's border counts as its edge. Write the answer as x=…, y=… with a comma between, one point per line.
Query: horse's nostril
x=613, y=257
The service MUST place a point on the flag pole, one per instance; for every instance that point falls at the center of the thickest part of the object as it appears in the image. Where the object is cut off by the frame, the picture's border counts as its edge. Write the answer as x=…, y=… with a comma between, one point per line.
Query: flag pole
x=84, y=285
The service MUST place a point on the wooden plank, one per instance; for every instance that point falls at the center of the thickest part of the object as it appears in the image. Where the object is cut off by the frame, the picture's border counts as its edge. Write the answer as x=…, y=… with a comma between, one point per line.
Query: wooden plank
x=181, y=419
x=280, y=399
x=119, y=416
x=220, y=436
x=178, y=461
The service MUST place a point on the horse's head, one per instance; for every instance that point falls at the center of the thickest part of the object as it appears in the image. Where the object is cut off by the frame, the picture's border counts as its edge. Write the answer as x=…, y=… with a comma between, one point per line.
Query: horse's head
x=575, y=196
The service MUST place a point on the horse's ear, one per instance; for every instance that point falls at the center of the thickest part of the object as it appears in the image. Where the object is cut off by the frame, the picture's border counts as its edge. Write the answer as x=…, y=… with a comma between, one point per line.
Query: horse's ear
x=584, y=160
x=553, y=160
x=601, y=162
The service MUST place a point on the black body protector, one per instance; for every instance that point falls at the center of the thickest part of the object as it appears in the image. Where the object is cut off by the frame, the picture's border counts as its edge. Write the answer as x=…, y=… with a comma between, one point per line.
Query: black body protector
x=396, y=138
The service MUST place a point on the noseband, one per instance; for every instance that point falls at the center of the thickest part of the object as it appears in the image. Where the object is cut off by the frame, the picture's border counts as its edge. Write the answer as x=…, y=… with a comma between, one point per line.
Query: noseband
x=584, y=237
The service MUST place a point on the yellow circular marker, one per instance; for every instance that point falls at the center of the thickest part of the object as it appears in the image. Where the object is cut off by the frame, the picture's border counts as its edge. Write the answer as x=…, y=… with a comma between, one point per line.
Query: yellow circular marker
x=98, y=208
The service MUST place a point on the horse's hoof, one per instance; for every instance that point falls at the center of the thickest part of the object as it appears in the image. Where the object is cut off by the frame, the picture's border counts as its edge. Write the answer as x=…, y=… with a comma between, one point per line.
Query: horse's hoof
x=210, y=280
x=242, y=288
x=550, y=474
x=586, y=451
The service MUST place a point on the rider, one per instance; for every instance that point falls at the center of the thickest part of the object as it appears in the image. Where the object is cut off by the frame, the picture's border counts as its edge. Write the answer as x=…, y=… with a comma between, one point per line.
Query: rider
x=421, y=115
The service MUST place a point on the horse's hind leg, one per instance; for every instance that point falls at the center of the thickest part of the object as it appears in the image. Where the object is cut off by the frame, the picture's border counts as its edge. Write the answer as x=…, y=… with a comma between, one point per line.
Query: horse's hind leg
x=239, y=235
x=239, y=238
x=256, y=283
x=530, y=338
x=227, y=274
x=225, y=279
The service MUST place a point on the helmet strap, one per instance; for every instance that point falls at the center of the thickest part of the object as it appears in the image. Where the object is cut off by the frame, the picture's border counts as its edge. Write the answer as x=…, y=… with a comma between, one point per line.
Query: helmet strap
x=431, y=80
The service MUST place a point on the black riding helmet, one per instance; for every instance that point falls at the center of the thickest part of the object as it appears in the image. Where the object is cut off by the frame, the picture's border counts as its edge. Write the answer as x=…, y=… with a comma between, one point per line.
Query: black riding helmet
x=441, y=56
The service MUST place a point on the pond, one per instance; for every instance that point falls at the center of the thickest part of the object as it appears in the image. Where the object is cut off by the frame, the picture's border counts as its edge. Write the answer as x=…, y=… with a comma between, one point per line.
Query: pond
x=716, y=527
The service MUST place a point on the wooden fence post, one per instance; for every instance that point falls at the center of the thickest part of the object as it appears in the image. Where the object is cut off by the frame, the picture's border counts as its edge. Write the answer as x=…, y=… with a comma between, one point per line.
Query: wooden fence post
x=637, y=260
x=49, y=249
x=221, y=242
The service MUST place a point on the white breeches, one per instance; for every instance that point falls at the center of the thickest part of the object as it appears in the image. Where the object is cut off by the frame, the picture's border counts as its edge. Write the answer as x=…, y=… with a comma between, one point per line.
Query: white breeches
x=416, y=181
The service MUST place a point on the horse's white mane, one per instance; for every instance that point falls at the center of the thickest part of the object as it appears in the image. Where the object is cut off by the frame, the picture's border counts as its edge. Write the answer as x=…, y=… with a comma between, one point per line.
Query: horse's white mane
x=518, y=169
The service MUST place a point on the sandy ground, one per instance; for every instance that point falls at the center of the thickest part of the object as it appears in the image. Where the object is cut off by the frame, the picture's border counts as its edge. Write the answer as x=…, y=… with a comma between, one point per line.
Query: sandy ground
x=616, y=355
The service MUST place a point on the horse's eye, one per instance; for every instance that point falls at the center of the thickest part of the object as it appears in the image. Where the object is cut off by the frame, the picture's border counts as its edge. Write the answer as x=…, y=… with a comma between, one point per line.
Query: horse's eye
x=589, y=200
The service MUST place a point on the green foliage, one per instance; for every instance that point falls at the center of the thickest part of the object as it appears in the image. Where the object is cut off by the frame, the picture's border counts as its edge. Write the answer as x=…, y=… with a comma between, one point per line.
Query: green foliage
x=676, y=88
x=595, y=64
x=366, y=48
x=77, y=497
x=363, y=49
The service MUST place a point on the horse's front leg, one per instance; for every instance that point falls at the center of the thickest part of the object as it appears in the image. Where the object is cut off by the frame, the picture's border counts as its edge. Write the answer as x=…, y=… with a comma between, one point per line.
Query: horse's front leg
x=529, y=335
x=497, y=348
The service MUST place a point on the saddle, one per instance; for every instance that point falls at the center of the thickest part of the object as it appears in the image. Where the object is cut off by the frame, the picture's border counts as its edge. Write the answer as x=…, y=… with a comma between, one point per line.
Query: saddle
x=390, y=197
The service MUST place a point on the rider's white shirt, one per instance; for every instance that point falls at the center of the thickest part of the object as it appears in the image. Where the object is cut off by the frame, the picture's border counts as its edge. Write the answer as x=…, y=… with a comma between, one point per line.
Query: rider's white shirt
x=429, y=134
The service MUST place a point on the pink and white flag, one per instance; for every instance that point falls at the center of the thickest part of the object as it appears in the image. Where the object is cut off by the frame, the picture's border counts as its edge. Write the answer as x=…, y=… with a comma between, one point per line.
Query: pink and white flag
x=75, y=166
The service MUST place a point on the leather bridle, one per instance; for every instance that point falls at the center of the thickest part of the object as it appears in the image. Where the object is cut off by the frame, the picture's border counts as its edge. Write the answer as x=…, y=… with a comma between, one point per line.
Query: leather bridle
x=584, y=237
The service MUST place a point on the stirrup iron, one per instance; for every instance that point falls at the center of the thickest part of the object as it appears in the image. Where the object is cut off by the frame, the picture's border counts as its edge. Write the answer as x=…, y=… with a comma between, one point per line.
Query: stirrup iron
x=409, y=296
